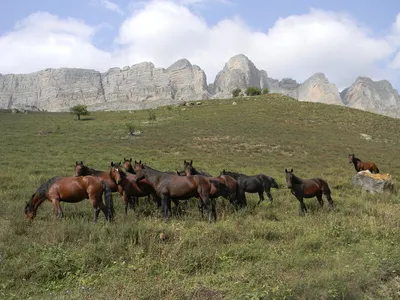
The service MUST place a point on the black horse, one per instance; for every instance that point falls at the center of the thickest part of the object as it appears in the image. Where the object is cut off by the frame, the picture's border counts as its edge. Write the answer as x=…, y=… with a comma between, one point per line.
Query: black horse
x=254, y=184
x=308, y=188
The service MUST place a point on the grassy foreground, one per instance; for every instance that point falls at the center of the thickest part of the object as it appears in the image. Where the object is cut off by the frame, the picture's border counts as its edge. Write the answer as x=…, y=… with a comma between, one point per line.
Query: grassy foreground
x=264, y=252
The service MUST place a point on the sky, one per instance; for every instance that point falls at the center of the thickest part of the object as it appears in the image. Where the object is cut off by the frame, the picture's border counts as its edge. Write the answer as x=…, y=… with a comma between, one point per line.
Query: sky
x=289, y=39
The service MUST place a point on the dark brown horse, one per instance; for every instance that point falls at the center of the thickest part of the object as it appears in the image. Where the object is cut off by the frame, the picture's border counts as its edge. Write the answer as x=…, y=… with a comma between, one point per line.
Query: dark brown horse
x=127, y=165
x=259, y=183
x=308, y=188
x=132, y=189
x=227, y=180
x=73, y=190
x=170, y=186
x=363, y=165
x=187, y=164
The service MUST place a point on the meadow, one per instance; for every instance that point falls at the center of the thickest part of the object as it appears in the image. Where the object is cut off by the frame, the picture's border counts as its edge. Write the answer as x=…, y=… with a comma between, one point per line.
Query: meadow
x=262, y=252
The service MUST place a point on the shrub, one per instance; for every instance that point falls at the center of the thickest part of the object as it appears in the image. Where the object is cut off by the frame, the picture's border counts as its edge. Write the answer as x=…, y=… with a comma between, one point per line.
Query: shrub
x=131, y=128
x=253, y=91
x=79, y=110
x=265, y=91
x=152, y=116
x=236, y=92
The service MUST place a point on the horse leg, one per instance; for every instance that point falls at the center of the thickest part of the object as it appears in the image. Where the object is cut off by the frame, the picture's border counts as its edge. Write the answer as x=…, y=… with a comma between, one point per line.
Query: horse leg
x=261, y=195
x=329, y=198
x=166, y=203
x=302, y=206
x=319, y=198
x=269, y=195
x=98, y=205
x=57, y=208
x=200, y=205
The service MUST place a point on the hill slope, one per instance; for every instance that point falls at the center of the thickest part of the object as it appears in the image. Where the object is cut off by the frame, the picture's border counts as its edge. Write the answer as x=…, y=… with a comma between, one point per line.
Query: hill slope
x=264, y=252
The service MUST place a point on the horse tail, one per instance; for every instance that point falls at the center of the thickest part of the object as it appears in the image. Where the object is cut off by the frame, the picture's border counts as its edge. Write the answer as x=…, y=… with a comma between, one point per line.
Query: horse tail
x=108, y=199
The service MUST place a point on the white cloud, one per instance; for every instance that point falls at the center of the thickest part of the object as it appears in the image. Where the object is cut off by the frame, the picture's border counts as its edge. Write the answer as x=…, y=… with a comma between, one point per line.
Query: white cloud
x=110, y=6
x=163, y=31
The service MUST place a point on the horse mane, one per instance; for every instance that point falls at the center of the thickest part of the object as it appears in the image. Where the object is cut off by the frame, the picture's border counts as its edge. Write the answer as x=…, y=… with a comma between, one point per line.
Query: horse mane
x=296, y=180
x=235, y=175
x=42, y=190
x=355, y=159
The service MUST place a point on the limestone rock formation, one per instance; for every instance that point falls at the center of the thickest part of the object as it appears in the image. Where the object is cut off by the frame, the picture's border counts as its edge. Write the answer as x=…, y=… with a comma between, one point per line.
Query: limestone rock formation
x=51, y=89
x=318, y=89
x=374, y=183
x=373, y=96
x=238, y=72
x=286, y=86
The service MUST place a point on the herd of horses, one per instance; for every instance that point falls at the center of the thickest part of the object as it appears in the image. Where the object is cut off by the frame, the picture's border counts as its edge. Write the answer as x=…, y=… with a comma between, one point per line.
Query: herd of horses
x=135, y=180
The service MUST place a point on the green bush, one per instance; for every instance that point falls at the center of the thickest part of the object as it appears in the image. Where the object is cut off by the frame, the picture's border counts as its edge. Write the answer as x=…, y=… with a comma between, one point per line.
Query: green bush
x=265, y=91
x=236, y=92
x=253, y=91
x=79, y=110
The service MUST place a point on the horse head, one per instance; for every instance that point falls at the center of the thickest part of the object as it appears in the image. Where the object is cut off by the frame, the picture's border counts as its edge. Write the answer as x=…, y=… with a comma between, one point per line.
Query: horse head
x=351, y=158
x=116, y=173
x=274, y=184
x=138, y=167
x=188, y=167
x=80, y=169
x=289, y=178
x=127, y=165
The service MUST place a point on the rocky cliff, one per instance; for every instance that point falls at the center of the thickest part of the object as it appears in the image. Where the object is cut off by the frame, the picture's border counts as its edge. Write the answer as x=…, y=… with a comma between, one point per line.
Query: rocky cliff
x=144, y=86
x=374, y=96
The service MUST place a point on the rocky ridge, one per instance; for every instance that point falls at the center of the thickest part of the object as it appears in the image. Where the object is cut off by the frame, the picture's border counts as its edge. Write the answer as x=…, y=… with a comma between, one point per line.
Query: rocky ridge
x=144, y=86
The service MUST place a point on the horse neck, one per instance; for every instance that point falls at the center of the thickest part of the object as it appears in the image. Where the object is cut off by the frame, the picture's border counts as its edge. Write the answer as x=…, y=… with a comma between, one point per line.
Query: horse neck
x=131, y=170
x=152, y=175
x=356, y=161
x=296, y=180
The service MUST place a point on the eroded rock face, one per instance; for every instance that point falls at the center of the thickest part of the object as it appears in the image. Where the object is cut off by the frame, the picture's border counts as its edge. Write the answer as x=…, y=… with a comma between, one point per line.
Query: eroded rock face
x=145, y=86
x=374, y=96
x=51, y=89
x=318, y=89
x=239, y=72
x=126, y=88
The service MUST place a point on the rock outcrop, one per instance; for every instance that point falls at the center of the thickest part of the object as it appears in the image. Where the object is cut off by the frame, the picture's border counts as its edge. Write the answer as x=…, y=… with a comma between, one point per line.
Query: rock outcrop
x=145, y=86
x=374, y=96
x=136, y=87
x=318, y=89
x=374, y=183
x=238, y=72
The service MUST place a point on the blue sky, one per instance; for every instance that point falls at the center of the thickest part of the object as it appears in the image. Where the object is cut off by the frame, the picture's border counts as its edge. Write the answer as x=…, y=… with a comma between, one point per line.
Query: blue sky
x=343, y=39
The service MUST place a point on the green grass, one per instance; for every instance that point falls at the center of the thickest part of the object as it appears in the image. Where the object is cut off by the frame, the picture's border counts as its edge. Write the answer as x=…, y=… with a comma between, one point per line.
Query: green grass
x=264, y=252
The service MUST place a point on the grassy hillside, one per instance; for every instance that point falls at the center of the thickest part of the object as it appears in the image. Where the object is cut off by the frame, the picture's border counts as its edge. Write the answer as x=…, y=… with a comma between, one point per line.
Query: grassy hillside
x=264, y=252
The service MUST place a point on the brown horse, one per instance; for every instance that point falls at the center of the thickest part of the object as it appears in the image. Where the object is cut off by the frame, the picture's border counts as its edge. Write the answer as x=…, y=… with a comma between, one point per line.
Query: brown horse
x=363, y=165
x=82, y=170
x=228, y=181
x=308, y=188
x=127, y=165
x=130, y=188
x=187, y=164
x=170, y=186
x=73, y=190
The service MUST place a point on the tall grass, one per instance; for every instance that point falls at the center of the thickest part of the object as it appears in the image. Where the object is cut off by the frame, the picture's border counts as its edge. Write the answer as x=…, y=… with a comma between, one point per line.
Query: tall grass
x=263, y=252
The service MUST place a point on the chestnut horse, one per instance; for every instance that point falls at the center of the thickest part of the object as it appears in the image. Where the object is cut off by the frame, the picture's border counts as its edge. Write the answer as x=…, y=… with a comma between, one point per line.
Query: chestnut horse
x=130, y=188
x=187, y=164
x=308, y=188
x=73, y=190
x=127, y=165
x=82, y=170
x=170, y=186
x=362, y=165
x=228, y=181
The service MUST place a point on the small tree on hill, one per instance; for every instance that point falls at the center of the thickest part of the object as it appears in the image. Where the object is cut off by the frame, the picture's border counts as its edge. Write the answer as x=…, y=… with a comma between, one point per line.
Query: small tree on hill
x=79, y=110
x=236, y=92
x=253, y=91
x=265, y=91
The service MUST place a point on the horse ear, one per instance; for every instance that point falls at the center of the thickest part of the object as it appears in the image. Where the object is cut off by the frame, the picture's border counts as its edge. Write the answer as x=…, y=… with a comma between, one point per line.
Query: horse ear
x=130, y=160
x=184, y=161
x=291, y=170
x=285, y=170
x=140, y=162
x=76, y=163
x=191, y=162
x=81, y=163
x=112, y=164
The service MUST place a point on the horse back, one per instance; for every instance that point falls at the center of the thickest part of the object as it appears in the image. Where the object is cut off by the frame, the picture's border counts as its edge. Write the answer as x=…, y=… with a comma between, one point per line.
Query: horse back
x=75, y=189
